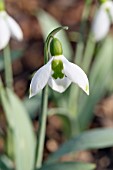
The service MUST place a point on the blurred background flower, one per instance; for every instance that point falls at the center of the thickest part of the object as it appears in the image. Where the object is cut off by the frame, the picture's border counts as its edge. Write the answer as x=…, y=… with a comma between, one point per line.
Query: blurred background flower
x=102, y=20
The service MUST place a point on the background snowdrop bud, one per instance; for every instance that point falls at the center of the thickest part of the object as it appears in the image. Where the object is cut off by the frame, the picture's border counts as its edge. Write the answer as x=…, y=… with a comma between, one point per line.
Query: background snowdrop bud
x=102, y=20
x=8, y=28
x=15, y=29
x=56, y=47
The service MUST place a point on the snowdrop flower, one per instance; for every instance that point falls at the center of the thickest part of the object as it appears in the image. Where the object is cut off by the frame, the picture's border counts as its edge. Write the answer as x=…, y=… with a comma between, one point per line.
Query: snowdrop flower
x=58, y=73
x=8, y=28
x=102, y=20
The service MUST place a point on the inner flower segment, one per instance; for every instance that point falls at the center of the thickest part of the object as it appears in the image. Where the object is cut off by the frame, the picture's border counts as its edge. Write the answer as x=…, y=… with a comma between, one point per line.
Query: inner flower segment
x=57, y=67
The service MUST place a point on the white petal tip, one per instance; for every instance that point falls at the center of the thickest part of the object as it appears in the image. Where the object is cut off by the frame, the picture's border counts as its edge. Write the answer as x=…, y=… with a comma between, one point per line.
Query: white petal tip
x=31, y=94
x=15, y=29
x=20, y=37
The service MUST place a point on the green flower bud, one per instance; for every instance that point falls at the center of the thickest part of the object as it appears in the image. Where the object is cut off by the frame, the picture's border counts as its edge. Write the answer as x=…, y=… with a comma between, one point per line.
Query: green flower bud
x=55, y=47
x=2, y=6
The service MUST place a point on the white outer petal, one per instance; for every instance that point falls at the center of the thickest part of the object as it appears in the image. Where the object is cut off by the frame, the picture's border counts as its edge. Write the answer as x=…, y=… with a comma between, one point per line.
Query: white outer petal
x=40, y=79
x=59, y=85
x=100, y=25
x=4, y=33
x=76, y=75
x=15, y=29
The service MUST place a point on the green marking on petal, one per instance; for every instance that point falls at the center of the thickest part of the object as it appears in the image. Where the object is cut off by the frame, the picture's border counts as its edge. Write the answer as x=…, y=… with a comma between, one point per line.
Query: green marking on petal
x=57, y=67
x=87, y=89
x=30, y=92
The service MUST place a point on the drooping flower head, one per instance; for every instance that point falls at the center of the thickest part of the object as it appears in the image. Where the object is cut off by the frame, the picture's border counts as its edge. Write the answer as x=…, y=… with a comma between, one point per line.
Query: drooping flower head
x=8, y=27
x=102, y=20
x=58, y=73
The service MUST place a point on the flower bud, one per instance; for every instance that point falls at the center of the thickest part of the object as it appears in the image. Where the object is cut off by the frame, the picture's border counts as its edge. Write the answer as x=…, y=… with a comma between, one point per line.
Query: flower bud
x=55, y=47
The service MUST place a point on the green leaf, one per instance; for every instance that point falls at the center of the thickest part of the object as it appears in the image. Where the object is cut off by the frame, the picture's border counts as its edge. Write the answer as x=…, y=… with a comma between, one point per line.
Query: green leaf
x=5, y=163
x=93, y=139
x=48, y=23
x=20, y=124
x=68, y=166
x=99, y=78
x=14, y=55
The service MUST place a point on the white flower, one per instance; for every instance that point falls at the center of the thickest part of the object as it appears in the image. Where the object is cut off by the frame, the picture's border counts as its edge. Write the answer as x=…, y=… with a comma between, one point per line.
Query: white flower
x=102, y=20
x=59, y=73
x=8, y=28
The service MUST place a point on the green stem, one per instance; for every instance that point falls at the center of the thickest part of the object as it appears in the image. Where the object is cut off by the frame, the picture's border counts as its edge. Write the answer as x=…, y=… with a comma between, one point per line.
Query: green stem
x=9, y=143
x=42, y=128
x=9, y=84
x=74, y=93
x=8, y=67
x=43, y=116
x=80, y=45
x=88, y=54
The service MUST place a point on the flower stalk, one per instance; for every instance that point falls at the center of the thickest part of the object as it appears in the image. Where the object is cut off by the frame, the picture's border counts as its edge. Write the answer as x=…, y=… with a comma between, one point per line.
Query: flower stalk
x=83, y=25
x=42, y=119
x=42, y=128
x=88, y=53
x=8, y=67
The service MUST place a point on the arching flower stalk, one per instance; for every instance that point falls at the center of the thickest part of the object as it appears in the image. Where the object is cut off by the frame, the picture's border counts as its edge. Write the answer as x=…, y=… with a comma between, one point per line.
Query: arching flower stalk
x=58, y=73
x=102, y=20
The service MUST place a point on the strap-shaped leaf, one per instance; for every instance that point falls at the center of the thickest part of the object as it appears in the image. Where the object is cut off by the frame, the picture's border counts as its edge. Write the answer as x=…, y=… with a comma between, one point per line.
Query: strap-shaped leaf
x=93, y=139
x=69, y=166
x=5, y=163
x=99, y=78
x=23, y=135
